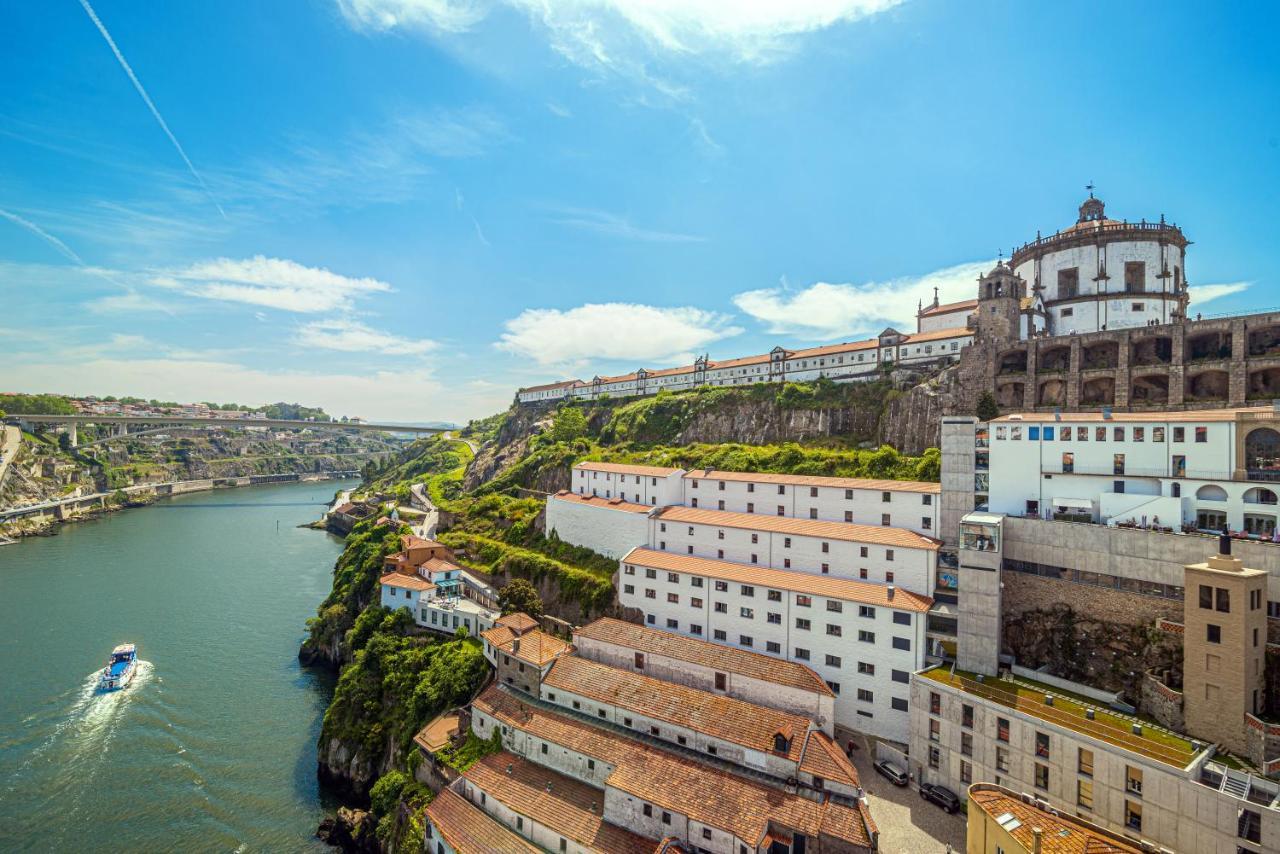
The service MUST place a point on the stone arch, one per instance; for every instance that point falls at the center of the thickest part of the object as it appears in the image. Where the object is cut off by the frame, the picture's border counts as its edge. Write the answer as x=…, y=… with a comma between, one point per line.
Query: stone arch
x=1104, y=354
x=1152, y=388
x=1264, y=341
x=1054, y=359
x=1262, y=453
x=1208, y=345
x=1259, y=495
x=1051, y=393
x=1211, y=492
x=1208, y=385
x=1009, y=394
x=1156, y=350
x=1013, y=362
x=1264, y=382
x=1099, y=391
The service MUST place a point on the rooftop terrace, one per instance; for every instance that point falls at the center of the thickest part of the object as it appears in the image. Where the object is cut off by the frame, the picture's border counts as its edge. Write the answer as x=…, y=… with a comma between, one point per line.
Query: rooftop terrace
x=1073, y=713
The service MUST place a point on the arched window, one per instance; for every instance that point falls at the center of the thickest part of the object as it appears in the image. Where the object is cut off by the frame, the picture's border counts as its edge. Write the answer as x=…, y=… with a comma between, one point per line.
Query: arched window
x=1259, y=495
x=1210, y=492
x=1262, y=453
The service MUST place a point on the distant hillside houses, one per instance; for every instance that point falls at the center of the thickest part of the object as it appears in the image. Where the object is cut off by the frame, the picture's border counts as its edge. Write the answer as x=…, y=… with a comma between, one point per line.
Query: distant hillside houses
x=847, y=362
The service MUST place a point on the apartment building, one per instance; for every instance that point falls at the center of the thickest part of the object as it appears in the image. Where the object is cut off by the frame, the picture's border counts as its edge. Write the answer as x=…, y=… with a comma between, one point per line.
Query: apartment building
x=1001, y=821
x=732, y=671
x=911, y=505
x=1195, y=469
x=884, y=555
x=863, y=639
x=655, y=793
x=1134, y=778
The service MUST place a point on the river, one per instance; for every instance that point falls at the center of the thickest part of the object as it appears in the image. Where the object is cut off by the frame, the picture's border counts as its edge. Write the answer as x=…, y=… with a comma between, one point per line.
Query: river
x=212, y=748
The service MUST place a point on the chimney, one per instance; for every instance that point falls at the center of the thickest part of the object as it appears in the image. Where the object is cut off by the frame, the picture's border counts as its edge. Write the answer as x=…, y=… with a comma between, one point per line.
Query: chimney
x=1224, y=543
x=1037, y=836
x=515, y=645
x=889, y=593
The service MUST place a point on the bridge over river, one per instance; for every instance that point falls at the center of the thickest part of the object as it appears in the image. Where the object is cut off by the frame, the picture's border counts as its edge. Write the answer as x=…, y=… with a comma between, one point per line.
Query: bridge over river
x=149, y=423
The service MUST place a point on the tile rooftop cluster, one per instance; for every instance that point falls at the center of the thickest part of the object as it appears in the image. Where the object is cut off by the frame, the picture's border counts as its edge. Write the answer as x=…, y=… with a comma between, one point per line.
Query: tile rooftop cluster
x=704, y=793
x=468, y=828
x=789, y=674
x=533, y=646
x=815, y=480
x=573, y=809
x=737, y=721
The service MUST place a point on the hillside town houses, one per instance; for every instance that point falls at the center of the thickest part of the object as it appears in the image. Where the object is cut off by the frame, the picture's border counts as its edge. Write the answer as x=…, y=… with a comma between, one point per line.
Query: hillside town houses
x=1074, y=636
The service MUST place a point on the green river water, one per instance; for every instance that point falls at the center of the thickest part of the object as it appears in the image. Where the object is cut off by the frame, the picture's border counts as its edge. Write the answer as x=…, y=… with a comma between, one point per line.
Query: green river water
x=212, y=748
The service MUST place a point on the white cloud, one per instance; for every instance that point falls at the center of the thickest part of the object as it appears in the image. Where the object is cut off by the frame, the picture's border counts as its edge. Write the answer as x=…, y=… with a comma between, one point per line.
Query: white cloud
x=608, y=33
x=559, y=110
x=826, y=311
x=1205, y=293
x=612, y=225
x=621, y=331
x=352, y=337
x=270, y=283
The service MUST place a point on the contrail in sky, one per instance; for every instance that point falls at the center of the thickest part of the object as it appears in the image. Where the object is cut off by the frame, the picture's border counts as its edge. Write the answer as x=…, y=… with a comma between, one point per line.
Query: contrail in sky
x=30, y=226
x=137, y=84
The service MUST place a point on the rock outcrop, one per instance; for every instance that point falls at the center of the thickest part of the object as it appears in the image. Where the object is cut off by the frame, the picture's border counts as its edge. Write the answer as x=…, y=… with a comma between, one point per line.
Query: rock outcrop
x=352, y=830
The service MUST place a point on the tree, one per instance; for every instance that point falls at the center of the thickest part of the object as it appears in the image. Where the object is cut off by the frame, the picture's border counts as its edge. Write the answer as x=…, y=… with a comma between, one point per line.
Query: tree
x=570, y=424
x=520, y=595
x=64, y=440
x=987, y=408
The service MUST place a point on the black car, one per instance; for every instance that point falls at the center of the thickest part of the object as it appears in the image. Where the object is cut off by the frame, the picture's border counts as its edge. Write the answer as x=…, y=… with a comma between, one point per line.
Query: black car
x=940, y=795
x=892, y=772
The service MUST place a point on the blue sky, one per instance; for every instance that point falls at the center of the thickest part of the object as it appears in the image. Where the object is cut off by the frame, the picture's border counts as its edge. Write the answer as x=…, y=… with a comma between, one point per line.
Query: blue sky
x=408, y=208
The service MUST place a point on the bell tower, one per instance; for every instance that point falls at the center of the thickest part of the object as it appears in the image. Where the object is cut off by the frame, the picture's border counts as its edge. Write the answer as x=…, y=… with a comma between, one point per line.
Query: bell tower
x=1000, y=295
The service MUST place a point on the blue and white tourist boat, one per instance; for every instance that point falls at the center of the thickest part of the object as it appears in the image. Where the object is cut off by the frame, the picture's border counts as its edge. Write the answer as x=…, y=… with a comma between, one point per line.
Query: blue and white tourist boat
x=120, y=667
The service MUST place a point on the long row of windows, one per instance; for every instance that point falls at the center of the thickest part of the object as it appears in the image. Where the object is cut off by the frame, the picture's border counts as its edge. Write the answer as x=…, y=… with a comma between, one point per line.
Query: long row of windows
x=1064, y=433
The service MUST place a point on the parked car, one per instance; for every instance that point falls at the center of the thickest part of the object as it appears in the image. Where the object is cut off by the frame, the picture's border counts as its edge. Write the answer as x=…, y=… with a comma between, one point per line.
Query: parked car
x=940, y=795
x=893, y=773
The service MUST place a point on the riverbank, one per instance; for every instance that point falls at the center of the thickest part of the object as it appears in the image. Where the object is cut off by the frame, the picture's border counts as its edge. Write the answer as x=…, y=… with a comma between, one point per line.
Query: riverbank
x=45, y=519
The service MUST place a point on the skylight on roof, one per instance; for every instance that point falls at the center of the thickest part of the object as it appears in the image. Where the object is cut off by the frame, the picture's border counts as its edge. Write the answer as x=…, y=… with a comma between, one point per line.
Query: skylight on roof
x=1008, y=821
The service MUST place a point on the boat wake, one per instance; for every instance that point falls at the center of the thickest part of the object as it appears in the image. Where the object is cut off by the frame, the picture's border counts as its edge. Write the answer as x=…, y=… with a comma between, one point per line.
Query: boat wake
x=72, y=735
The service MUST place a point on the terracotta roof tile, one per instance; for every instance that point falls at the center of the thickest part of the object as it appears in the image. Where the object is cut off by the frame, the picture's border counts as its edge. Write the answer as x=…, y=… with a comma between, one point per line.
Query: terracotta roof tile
x=863, y=592
x=627, y=468
x=413, y=541
x=550, y=386
x=706, y=794
x=954, y=332
x=845, y=531
x=536, y=647
x=497, y=636
x=469, y=830
x=436, y=564
x=1060, y=833
x=948, y=307
x=716, y=715
x=789, y=674
x=406, y=582
x=833, y=349
x=562, y=804
x=824, y=758
x=814, y=480
x=518, y=621
x=604, y=503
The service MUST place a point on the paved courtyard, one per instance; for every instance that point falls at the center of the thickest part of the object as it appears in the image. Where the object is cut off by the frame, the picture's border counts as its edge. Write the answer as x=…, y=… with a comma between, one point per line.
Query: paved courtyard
x=908, y=823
